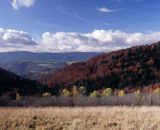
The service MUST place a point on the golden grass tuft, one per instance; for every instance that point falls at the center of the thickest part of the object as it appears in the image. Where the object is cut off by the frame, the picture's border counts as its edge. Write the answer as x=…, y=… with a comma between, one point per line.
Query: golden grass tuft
x=87, y=118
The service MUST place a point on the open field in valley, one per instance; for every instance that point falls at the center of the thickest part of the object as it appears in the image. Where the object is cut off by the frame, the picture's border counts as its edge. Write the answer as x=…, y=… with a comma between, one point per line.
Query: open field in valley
x=80, y=118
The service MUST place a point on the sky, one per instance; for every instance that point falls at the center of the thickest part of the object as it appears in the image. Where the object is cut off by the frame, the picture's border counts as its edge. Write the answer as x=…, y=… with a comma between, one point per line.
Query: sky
x=77, y=25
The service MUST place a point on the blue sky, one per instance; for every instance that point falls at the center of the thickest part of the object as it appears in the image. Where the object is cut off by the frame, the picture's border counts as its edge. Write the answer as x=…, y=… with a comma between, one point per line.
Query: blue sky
x=60, y=15
x=91, y=19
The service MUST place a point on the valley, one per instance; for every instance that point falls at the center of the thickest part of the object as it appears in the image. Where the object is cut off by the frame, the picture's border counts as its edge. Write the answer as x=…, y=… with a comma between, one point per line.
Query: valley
x=35, y=66
x=122, y=72
x=79, y=64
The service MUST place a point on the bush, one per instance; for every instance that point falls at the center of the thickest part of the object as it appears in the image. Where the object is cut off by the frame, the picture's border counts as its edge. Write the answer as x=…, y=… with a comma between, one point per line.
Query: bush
x=66, y=93
x=18, y=96
x=137, y=92
x=75, y=91
x=95, y=94
x=46, y=94
x=107, y=92
x=157, y=91
x=82, y=90
x=121, y=93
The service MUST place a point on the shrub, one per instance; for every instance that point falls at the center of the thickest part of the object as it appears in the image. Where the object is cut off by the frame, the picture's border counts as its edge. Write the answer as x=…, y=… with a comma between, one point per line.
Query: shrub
x=95, y=94
x=121, y=93
x=75, y=91
x=46, y=94
x=18, y=96
x=137, y=92
x=82, y=90
x=157, y=91
x=140, y=99
x=107, y=92
x=66, y=93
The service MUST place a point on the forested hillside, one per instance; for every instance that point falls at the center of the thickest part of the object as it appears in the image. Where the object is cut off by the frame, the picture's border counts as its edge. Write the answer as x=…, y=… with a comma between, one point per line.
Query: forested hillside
x=134, y=67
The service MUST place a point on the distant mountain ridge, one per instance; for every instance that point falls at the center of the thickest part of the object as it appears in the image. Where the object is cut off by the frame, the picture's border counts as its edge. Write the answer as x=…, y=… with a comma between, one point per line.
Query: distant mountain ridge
x=133, y=67
x=36, y=65
x=68, y=56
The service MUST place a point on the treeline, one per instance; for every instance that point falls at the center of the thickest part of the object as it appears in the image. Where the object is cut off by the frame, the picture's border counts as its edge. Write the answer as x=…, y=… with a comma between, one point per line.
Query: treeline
x=77, y=91
x=78, y=96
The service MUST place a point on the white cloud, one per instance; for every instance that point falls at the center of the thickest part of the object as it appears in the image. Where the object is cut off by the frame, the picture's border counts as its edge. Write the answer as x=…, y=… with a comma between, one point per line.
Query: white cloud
x=15, y=40
x=104, y=9
x=107, y=10
x=16, y=4
x=98, y=40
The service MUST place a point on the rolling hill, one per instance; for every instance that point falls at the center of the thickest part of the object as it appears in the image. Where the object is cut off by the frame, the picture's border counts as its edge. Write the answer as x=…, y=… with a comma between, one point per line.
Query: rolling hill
x=133, y=67
x=10, y=82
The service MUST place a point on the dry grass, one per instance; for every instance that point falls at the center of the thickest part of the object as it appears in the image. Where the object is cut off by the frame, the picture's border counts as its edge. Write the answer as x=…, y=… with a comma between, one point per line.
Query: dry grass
x=87, y=118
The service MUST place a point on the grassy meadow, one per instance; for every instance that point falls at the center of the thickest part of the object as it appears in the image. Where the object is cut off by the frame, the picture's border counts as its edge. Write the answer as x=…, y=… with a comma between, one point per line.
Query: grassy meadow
x=80, y=118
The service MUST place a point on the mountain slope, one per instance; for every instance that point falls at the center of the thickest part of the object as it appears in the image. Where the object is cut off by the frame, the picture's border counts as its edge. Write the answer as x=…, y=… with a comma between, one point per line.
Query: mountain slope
x=10, y=82
x=134, y=67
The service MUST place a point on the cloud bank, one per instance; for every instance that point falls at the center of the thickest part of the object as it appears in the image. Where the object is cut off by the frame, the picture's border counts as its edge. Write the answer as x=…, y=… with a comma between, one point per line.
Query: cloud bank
x=95, y=41
x=11, y=40
x=16, y=4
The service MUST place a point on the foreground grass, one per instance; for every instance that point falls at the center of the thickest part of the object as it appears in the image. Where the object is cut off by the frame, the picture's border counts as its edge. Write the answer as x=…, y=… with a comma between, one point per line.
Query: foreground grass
x=87, y=118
